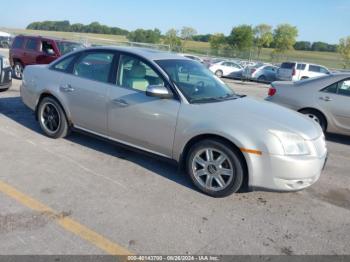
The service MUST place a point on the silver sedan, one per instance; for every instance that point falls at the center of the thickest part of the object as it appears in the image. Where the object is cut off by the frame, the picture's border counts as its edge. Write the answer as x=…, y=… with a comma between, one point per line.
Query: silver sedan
x=325, y=100
x=176, y=108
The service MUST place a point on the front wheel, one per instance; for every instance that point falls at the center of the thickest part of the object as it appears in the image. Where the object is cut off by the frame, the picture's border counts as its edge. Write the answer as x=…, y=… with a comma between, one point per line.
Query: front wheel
x=52, y=118
x=317, y=117
x=214, y=168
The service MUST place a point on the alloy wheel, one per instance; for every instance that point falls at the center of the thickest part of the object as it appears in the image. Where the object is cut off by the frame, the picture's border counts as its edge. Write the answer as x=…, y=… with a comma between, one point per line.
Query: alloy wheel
x=212, y=169
x=315, y=118
x=50, y=118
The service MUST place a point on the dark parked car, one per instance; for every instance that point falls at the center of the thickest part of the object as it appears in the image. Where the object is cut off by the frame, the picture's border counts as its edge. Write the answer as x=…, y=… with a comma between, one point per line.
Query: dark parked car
x=32, y=50
x=5, y=74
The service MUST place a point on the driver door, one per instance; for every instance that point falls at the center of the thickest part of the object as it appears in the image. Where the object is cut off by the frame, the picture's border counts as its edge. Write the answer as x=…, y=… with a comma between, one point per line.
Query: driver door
x=136, y=119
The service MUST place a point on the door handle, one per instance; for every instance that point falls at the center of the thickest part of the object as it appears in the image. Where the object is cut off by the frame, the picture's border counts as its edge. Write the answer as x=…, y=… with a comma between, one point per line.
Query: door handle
x=66, y=88
x=120, y=102
x=326, y=99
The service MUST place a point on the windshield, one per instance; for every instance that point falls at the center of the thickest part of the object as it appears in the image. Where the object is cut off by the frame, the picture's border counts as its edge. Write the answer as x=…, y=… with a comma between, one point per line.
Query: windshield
x=196, y=82
x=66, y=47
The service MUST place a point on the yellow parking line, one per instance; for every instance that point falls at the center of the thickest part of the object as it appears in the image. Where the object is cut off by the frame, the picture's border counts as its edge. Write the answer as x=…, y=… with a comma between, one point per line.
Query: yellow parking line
x=65, y=222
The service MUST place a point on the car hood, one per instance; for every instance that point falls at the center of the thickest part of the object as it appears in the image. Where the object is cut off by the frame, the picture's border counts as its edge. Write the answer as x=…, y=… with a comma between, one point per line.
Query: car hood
x=262, y=115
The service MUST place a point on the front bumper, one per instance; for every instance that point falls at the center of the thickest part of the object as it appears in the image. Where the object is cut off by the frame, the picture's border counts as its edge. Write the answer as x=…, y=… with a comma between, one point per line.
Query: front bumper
x=287, y=173
x=5, y=78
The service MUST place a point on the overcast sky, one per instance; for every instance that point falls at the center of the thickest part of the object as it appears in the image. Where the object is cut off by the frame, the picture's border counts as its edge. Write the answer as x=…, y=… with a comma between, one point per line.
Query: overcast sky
x=317, y=20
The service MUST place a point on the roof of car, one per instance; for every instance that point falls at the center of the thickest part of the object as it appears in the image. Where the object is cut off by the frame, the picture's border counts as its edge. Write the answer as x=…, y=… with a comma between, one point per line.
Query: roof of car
x=47, y=38
x=150, y=54
x=332, y=77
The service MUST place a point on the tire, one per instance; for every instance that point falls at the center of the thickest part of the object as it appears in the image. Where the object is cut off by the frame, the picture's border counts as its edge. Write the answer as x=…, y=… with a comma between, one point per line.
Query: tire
x=52, y=118
x=304, y=77
x=18, y=70
x=262, y=78
x=208, y=176
x=219, y=73
x=317, y=116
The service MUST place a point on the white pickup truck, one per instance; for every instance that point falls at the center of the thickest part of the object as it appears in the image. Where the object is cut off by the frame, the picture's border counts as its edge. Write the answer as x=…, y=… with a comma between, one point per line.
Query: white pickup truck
x=294, y=71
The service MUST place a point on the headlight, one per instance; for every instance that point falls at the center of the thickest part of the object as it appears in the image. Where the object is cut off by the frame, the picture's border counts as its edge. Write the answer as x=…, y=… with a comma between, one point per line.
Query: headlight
x=5, y=63
x=292, y=144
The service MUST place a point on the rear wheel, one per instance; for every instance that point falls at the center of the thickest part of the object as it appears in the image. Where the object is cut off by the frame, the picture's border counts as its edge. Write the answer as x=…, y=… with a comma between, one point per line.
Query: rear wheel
x=18, y=70
x=52, y=119
x=219, y=73
x=304, y=77
x=214, y=168
x=317, y=117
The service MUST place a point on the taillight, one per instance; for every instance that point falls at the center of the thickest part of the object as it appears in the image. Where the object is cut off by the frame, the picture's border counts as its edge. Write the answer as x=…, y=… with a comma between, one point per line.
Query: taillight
x=252, y=70
x=294, y=72
x=272, y=91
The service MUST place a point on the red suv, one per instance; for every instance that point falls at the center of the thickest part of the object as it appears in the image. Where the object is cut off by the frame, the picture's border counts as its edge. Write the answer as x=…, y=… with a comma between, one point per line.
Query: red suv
x=32, y=50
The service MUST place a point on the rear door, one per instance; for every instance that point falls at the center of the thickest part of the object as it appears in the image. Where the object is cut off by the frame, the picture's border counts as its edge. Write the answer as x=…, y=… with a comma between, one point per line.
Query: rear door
x=31, y=51
x=85, y=89
x=336, y=100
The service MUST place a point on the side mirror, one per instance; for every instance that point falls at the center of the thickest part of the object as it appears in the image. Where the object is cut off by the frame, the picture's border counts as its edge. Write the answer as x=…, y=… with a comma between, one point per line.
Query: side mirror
x=158, y=91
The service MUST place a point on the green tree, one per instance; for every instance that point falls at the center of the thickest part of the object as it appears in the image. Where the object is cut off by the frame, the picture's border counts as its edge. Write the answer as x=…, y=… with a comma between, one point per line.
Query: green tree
x=284, y=38
x=216, y=42
x=187, y=34
x=302, y=45
x=344, y=51
x=173, y=40
x=145, y=36
x=202, y=38
x=263, y=36
x=241, y=37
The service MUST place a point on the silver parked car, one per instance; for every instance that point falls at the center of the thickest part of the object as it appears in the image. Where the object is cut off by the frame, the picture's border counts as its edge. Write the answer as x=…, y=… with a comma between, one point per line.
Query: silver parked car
x=325, y=99
x=176, y=108
x=261, y=73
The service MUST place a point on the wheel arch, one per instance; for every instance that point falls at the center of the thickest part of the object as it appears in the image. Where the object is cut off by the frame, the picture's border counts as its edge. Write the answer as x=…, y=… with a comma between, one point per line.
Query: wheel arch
x=197, y=138
x=49, y=94
x=316, y=110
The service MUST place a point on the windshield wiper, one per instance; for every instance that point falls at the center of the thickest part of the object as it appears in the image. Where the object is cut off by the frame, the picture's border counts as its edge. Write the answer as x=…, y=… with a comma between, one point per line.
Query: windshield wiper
x=205, y=99
x=214, y=99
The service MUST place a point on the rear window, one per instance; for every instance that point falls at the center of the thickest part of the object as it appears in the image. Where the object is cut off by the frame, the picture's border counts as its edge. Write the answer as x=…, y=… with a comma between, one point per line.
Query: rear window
x=288, y=65
x=18, y=43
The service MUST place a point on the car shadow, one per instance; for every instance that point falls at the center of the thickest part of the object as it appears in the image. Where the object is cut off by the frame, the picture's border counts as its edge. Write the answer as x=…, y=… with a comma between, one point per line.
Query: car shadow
x=340, y=139
x=13, y=108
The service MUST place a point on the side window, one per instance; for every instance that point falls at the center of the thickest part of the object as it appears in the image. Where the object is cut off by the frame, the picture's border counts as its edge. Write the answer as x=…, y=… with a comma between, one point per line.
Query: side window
x=331, y=89
x=313, y=68
x=18, y=43
x=47, y=47
x=235, y=65
x=301, y=66
x=225, y=64
x=31, y=44
x=94, y=65
x=323, y=70
x=135, y=74
x=344, y=88
x=64, y=64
